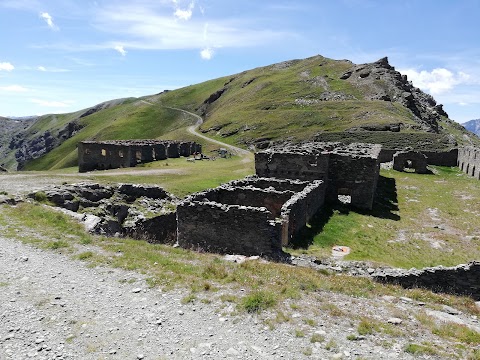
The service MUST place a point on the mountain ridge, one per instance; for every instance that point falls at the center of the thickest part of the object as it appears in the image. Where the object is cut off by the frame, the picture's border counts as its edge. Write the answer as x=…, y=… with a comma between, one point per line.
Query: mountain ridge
x=295, y=100
x=473, y=126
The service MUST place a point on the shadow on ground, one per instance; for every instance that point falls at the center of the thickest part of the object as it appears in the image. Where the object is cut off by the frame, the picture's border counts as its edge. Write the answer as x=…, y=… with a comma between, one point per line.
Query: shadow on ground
x=385, y=206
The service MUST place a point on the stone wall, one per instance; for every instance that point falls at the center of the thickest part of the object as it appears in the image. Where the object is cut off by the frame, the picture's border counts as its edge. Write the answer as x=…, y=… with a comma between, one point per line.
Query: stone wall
x=300, y=208
x=460, y=280
x=291, y=165
x=353, y=176
x=236, y=229
x=437, y=158
x=239, y=217
x=469, y=161
x=410, y=160
x=103, y=155
x=351, y=170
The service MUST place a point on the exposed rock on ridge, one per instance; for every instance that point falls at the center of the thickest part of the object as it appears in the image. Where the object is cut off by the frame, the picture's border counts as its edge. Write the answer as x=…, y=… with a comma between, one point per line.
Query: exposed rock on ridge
x=381, y=81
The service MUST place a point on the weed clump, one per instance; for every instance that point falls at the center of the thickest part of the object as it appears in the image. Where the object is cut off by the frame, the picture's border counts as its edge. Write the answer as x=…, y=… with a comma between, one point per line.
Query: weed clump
x=40, y=196
x=258, y=301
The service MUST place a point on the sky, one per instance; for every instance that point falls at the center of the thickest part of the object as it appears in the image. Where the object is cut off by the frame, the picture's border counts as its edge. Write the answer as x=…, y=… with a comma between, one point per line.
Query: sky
x=61, y=56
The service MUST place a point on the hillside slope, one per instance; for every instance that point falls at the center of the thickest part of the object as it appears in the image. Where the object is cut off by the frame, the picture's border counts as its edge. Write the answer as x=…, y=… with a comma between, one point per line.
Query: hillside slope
x=311, y=99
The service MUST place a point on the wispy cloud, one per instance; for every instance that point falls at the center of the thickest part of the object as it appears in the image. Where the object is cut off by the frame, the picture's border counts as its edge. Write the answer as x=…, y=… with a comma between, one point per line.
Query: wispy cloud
x=150, y=29
x=120, y=49
x=437, y=81
x=184, y=14
x=6, y=66
x=52, y=104
x=51, y=69
x=49, y=20
x=13, y=88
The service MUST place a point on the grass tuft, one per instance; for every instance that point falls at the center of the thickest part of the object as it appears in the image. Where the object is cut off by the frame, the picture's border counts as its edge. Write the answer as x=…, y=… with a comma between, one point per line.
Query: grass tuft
x=258, y=301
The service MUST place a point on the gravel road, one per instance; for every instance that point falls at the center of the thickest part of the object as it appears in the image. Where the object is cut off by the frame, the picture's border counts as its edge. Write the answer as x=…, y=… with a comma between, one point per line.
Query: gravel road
x=55, y=307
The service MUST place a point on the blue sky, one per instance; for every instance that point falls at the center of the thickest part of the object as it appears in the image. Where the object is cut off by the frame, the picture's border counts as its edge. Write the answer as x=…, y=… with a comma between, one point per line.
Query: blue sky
x=65, y=55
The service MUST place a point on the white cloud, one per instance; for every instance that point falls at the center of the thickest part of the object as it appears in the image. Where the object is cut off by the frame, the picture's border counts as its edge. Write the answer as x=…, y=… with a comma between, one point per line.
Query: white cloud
x=437, y=81
x=206, y=53
x=54, y=104
x=120, y=49
x=6, y=66
x=13, y=88
x=184, y=14
x=49, y=20
x=51, y=69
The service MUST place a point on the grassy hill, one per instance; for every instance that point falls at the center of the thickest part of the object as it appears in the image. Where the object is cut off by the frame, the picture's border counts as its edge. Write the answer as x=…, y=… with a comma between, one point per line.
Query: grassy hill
x=298, y=100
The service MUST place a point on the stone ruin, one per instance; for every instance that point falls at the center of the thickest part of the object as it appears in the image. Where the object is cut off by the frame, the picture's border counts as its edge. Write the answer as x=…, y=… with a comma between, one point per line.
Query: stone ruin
x=410, y=160
x=103, y=155
x=260, y=214
x=349, y=171
x=253, y=216
x=469, y=161
x=139, y=211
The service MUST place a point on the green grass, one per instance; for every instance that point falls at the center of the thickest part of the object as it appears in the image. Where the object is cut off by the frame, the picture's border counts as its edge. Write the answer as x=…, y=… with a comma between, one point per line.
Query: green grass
x=258, y=103
x=258, y=301
x=425, y=220
x=419, y=349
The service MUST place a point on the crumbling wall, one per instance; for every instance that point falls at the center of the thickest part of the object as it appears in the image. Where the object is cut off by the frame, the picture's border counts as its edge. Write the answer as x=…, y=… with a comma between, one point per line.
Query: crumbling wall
x=353, y=176
x=161, y=229
x=469, y=161
x=461, y=280
x=437, y=158
x=103, y=155
x=221, y=228
x=349, y=170
x=300, y=208
x=410, y=160
x=247, y=196
x=253, y=216
x=266, y=183
x=291, y=165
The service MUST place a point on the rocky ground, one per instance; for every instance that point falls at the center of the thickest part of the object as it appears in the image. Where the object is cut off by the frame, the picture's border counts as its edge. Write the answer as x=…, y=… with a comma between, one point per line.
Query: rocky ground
x=55, y=307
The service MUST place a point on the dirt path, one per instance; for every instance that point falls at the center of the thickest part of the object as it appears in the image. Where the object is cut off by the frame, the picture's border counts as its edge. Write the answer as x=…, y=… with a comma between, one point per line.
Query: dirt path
x=194, y=130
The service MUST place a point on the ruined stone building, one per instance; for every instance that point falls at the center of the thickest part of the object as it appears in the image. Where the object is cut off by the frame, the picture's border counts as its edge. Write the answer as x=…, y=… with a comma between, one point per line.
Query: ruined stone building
x=348, y=170
x=253, y=216
x=469, y=161
x=410, y=160
x=102, y=155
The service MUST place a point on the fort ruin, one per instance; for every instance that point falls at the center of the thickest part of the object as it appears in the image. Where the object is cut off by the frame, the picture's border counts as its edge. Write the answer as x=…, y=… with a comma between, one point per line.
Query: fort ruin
x=469, y=161
x=253, y=216
x=103, y=155
x=350, y=171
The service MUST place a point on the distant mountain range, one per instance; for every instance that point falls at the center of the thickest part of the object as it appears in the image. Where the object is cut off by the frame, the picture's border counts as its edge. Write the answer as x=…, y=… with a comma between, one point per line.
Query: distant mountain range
x=473, y=126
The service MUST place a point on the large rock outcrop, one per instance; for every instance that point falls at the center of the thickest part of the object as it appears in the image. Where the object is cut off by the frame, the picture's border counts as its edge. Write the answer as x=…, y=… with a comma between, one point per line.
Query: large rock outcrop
x=380, y=81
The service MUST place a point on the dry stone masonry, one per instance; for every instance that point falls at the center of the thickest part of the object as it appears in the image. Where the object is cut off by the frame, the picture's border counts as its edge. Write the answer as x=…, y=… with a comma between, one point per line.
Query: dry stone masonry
x=350, y=171
x=469, y=161
x=254, y=216
x=463, y=279
x=413, y=160
x=102, y=155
